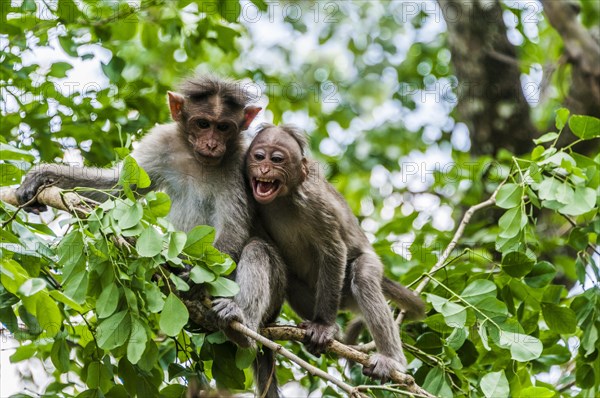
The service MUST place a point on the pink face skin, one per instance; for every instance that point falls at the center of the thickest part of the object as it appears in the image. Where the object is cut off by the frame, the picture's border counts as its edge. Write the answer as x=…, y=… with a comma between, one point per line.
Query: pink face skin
x=275, y=165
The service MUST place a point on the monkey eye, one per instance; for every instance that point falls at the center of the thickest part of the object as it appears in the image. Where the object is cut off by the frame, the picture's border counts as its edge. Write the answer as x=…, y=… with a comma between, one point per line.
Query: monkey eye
x=203, y=123
x=276, y=159
x=223, y=127
x=259, y=156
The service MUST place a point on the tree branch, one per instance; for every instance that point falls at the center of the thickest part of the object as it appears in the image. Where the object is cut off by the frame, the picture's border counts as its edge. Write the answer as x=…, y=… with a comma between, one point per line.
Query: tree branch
x=54, y=197
x=344, y=351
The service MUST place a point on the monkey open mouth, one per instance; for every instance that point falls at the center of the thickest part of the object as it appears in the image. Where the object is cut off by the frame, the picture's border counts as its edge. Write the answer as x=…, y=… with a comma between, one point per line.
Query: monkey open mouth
x=264, y=189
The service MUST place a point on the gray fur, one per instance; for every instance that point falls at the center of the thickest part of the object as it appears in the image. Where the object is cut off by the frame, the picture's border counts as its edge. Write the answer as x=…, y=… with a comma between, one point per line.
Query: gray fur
x=331, y=263
x=202, y=193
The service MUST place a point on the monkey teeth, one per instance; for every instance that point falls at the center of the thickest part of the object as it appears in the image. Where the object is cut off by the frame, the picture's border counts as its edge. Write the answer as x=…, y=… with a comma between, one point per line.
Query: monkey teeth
x=265, y=189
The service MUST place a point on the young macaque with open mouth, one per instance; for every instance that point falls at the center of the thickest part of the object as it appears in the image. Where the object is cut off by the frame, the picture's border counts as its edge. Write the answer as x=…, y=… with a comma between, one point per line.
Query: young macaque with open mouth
x=330, y=262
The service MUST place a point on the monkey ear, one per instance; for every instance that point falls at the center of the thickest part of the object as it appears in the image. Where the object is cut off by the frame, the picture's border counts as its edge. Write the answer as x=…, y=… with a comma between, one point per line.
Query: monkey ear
x=304, y=169
x=175, y=104
x=250, y=113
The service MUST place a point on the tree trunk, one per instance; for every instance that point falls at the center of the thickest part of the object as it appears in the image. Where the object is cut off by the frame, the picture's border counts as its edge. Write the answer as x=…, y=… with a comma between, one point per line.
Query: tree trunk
x=582, y=51
x=490, y=97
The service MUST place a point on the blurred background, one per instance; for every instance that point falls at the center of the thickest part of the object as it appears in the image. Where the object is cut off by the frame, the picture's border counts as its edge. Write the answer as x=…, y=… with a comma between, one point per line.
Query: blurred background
x=414, y=108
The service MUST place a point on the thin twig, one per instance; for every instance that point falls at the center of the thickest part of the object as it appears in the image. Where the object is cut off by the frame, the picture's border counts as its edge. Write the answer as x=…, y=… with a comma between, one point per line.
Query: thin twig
x=278, y=348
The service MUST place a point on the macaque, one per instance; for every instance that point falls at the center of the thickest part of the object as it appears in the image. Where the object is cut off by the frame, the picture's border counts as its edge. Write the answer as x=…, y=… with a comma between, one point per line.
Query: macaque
x=330, y=262
x=198, y=160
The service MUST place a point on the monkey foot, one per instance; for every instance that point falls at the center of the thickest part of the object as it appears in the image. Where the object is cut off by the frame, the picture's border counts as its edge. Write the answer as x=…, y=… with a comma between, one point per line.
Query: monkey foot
x=381, y=367
x=318, y=336
x=226, y=311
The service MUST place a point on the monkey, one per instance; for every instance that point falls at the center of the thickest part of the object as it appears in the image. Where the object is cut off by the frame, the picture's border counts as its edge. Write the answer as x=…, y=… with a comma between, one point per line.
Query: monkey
x=329, y=260
x=198, y=159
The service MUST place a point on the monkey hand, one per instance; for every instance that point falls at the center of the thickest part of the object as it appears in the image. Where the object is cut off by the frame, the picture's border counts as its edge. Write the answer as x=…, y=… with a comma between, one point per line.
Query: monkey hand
x=318, y=336
x=226, y=311
x=381, y=367
x=34, y=180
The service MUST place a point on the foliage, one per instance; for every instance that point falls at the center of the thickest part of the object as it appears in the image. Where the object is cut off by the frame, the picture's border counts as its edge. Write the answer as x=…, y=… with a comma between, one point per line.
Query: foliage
x=513, y=313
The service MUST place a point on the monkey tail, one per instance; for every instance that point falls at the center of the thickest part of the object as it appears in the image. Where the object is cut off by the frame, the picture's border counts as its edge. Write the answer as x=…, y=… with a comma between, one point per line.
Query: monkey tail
x=404, y=298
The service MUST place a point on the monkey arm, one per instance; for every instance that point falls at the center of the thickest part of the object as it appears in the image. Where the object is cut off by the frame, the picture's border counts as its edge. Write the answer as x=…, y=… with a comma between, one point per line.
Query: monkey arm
x=332, y=270
x=68, y=177
x=232, y=223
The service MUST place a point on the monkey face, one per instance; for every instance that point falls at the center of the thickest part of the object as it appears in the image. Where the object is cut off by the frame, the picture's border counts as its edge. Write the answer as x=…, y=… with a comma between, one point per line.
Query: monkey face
x=209, y=137
x=274, y=165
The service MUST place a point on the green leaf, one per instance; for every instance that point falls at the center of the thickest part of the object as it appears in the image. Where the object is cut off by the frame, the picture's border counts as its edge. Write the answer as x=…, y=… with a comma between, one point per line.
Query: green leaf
x=517, y=264
x=108, y=300
x=562, y=115
x=47, y=313
x=174, y=316
x=223, y=287
x=509, y=196
x=154, y=298
x=179, y=283
x=548, y=188
x=62, y=298
x=131, y=217
x=159, y=203
x=9, y=152
x=584, y=374
x=173, y=391
x=455, y=315
x=583, y=201
x=578, y=239
x=495, y=385
x=478, y=290
x=114, y=69
x=512, y=222
x=244, y=357
x=9, y=174
x=176, y=244
x=198, y=239
x=555, y=355
x=114, y=331
x=67, y=11
x=199, y=274
x=546, y=138
x=60, y=69
x=436, y=383
x=560, y=320
x=137, y=341
x=32, y=286
x=523, y=348
x=564, y=193
x=149, y=35
x=150, y=243
x=541, y=274
x=224, y=367
x=585, y=127
x=60, y=355
x=537, y=392
x=132, y=174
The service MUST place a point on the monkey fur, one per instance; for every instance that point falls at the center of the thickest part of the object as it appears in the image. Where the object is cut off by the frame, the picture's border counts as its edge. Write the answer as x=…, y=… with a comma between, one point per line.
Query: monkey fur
x=330, y=262
x=198, y=160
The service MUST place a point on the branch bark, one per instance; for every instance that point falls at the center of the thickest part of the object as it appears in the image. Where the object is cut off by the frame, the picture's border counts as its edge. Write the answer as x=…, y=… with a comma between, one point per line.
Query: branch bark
x=54, y=197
